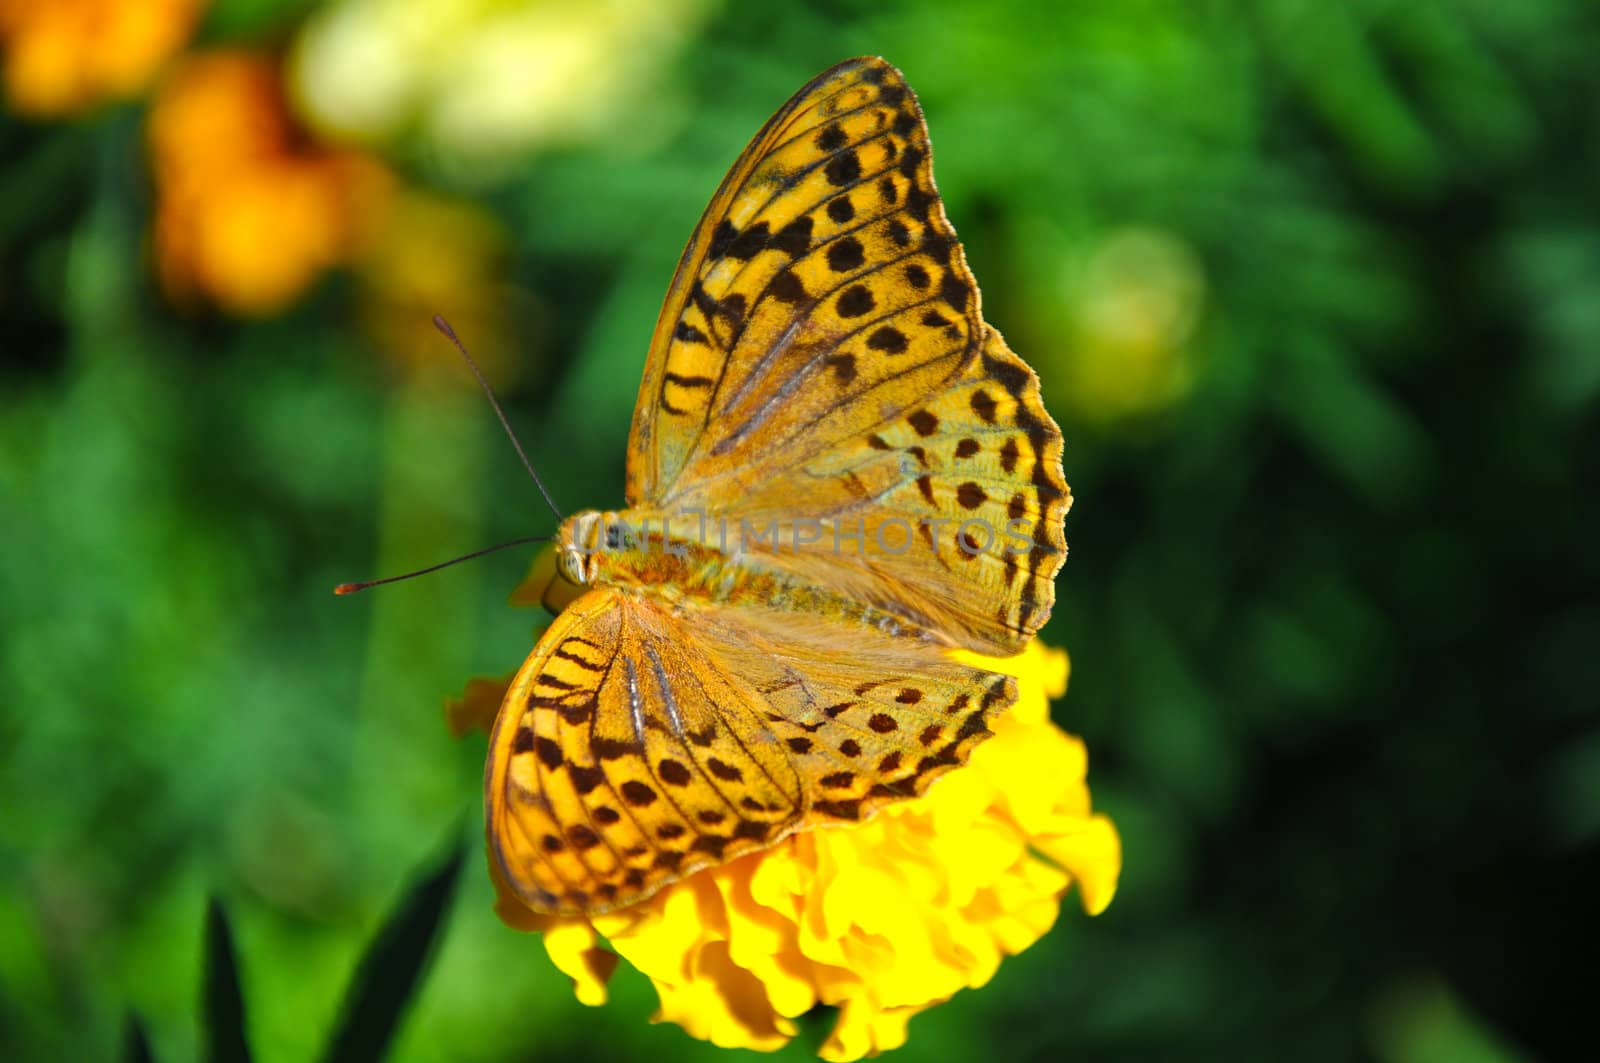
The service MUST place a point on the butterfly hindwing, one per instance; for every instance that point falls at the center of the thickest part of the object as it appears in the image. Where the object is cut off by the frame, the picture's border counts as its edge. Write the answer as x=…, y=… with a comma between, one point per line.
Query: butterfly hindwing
x=865, y=727
x=949, y=514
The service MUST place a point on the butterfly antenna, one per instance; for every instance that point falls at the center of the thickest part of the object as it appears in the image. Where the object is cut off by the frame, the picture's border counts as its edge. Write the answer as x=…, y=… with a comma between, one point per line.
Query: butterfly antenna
x=351, y=588
x=450, y=334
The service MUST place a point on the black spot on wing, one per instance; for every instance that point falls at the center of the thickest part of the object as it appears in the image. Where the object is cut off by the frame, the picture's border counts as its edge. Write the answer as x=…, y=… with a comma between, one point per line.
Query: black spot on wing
x=1009, y=453
x=689, y=381
x=638, y=794
x=843, y=169
x=732, y=307
x=793, y=239
x=919, y=203
x=855, y=301
x=845, y=255
x=721, y=238
x=548, y=749
x=788, y=288
x=888, y=339
x=844, y=368
x=750, y=243
x=955, y=291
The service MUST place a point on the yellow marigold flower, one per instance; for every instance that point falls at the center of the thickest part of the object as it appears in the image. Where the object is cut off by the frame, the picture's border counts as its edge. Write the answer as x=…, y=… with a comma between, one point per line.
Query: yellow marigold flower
x=249, y=212
x=882, y=919
x=63, y=56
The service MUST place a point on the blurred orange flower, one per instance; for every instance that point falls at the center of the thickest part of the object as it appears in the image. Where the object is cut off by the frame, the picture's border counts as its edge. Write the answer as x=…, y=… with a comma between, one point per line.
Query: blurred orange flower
x=249, y=211
x=63, y=56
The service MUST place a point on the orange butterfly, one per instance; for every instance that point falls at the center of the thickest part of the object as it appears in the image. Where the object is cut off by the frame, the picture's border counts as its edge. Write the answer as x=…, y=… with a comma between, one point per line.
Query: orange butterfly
x=837, y=473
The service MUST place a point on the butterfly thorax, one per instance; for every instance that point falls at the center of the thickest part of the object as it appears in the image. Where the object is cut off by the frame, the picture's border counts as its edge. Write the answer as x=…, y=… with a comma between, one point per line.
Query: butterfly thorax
x=688, y=558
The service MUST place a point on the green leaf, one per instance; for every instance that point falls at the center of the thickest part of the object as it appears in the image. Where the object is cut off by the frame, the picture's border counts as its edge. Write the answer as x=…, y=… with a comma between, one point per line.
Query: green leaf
x=224, y=1003
x=392, y=968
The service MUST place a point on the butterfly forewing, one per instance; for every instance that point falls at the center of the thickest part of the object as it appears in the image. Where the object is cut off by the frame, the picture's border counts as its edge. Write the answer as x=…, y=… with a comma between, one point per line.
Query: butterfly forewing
x=876, y=723
x=621, y=761
x=823, y=357
x=949, y=514
x=823, y=286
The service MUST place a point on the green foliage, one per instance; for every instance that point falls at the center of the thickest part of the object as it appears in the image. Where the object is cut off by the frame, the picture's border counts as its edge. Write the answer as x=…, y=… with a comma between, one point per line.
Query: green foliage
x=1333, y=599
x=375, y=1002
x=392, y=968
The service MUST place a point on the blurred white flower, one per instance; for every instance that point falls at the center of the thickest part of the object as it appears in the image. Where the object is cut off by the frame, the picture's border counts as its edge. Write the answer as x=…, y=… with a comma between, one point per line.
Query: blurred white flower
x=484, y=81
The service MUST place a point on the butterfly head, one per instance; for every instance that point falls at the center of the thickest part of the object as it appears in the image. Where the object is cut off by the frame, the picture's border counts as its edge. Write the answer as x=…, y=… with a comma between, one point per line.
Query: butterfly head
x=588, y=539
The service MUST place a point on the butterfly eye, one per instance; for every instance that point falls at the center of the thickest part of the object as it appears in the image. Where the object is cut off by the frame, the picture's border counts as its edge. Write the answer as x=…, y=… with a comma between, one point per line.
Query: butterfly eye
x=616, y=538
x=571, y=564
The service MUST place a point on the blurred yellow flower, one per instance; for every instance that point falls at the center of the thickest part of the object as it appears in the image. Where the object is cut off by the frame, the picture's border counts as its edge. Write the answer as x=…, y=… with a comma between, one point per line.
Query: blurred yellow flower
x=249, y=212
x=882, y=919
x=1135, y=301
x=63, y=56
x=439, y=256
x=484, y=81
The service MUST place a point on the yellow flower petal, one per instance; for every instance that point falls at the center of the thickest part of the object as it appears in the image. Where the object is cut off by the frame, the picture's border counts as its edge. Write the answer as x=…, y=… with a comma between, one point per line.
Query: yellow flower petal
x=477, y=706
x=1094, y=857
x=725, y=1004
x=764, y=942
x=864, y=1030
x=575, y=949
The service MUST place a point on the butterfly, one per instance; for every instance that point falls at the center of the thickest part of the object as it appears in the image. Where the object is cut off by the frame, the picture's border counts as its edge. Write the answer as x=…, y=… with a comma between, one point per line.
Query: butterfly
x=837, y=474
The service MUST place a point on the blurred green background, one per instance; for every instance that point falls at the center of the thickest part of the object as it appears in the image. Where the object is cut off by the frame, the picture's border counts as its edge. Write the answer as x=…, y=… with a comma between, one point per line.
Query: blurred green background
x=1315, y=293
